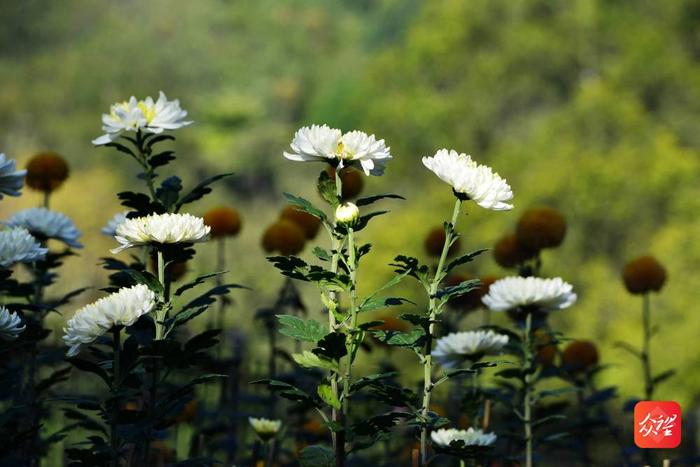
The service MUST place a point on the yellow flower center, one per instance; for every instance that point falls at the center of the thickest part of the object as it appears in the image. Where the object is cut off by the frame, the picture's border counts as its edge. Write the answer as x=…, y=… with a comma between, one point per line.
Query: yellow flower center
x=149, y=113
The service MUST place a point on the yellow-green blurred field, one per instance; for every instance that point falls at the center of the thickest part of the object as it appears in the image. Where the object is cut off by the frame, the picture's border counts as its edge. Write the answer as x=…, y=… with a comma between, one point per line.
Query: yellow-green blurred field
x=588, y=106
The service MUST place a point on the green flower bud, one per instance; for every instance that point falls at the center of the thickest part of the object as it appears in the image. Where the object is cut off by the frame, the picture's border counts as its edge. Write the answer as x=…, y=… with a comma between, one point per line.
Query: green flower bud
x=347, y=213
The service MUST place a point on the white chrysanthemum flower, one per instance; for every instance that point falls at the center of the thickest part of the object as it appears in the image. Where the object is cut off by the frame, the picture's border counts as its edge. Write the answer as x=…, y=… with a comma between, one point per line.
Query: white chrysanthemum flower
x=457, y=346
x=471, y=437
x=161, y=229
x=111, y=228
x=11, y=180
x=545, y=294
x=122, y=308
x=11, y=324
x=45, y=224
x=264, y=427
x=145, y=115
x=477, y=182
x=322, y=143
x=18, y=246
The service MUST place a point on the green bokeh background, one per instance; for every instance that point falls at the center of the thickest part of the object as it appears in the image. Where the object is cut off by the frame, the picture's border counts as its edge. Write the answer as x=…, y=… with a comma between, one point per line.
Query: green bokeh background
x=589, y=106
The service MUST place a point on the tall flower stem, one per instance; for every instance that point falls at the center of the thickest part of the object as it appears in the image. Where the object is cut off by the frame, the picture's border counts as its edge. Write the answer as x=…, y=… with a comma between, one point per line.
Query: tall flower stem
x=352, y=328
x=433, y=312
x=116, y=381
x=645, y=356
x=528, y=358
x=163, y=309
x=338, y=444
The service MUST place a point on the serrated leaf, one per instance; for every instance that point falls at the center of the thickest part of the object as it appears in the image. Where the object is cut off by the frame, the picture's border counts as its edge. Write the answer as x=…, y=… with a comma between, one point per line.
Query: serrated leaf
x=201, y=189
x=466, y=258
x=300, y=329
x=309, y=359
x=325, y=392
x=316, y=456
x=306, y=206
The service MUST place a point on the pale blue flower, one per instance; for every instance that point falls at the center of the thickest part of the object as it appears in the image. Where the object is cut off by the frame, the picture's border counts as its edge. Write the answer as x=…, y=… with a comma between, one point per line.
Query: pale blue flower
x=45, y=224
x=11, y=325
x=18, y=246
x=11, y=180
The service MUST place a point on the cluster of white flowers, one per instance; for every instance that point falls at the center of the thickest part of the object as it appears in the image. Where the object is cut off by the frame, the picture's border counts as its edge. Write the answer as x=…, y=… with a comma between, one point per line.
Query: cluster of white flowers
x=45, y=224
x=477, y=182
x=111, y=228
x=121, y=308
x=264, y=427
x=457, y=346
x=10, y=324
x=161, y=229
x=17, y=245
x=322, y=143
x=511, y=293
x=471, y=437
x=145, y=115
x=11, y=180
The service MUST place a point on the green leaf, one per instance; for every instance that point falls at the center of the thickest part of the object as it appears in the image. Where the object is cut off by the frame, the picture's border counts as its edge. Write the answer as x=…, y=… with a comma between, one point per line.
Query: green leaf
x=287, y=391
x=301, y=330
x=199, y=280
x=316, y=456
x=460, y=289
x=321, y=254
x=332, y=346
x=372, y=304
x=371, y=199
x=200, y=190
x=371, y=379
x=306, y=206
x=325, y=392
x=411, y=338
x=464, y=259
x=661, y=377
x=327, y=189
x=146, y=278
x=309, y=359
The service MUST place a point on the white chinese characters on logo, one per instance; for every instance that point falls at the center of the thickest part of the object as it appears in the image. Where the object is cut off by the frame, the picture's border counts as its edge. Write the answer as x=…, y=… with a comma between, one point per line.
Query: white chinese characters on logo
x=660, y=425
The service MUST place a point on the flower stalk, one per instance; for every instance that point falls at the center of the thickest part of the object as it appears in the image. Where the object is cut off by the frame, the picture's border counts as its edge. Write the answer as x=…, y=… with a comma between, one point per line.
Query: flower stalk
x=433, y=310
x=116, y=382
x=528, y=361
x=645, y=355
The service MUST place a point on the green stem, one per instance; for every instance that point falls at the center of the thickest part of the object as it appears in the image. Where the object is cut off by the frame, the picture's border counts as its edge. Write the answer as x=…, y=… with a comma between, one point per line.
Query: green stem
x=116, y=380
x=428, y=358
x=646, y=357
x=352, y=343
x=338, y=445
x=527, y=399
x=161, y=314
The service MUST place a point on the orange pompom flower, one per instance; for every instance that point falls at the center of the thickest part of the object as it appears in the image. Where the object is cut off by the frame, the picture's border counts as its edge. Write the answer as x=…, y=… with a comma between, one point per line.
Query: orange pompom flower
x=579, y=356
x=46, y=172
x=285, y=237
x=644, y=274
x=509, y=252
x=541, y=227
x=308, y=223
x=224, y=221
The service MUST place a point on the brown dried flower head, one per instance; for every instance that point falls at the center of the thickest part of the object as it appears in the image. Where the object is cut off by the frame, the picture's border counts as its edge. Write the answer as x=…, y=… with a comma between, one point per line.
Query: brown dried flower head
x=509, y=253
x=284, y=237
x=46, y=172
x=435, y=240
x=224, y=221
x=308, y=223
x=541, y=227
x=579, y=356
x=644, y=274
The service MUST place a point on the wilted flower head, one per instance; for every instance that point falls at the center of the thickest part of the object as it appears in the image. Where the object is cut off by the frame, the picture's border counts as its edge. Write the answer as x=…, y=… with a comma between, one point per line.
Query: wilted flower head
x=45, y=224
x=144, y=115
x=644, y=274
x=265, y=428
x=308, y=223
x=18, y=246
x=46, y=171
x=545, y=346
x=509, y=252
x=160, y=229
x=11, y=180
x=347, y=213
x=11, y=324
x=579, y=356
x=111, y=228
x=539, y=228
x=322, y=143
x=467, y=178
x=224, y=221
x=435, y=240
x=529, y=292
x=122, y=308
x=469, y=345
x=285, y=237
x=471, y=437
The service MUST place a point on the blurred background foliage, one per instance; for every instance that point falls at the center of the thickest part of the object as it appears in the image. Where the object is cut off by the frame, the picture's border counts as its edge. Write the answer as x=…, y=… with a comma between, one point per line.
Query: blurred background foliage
x=589, y=106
